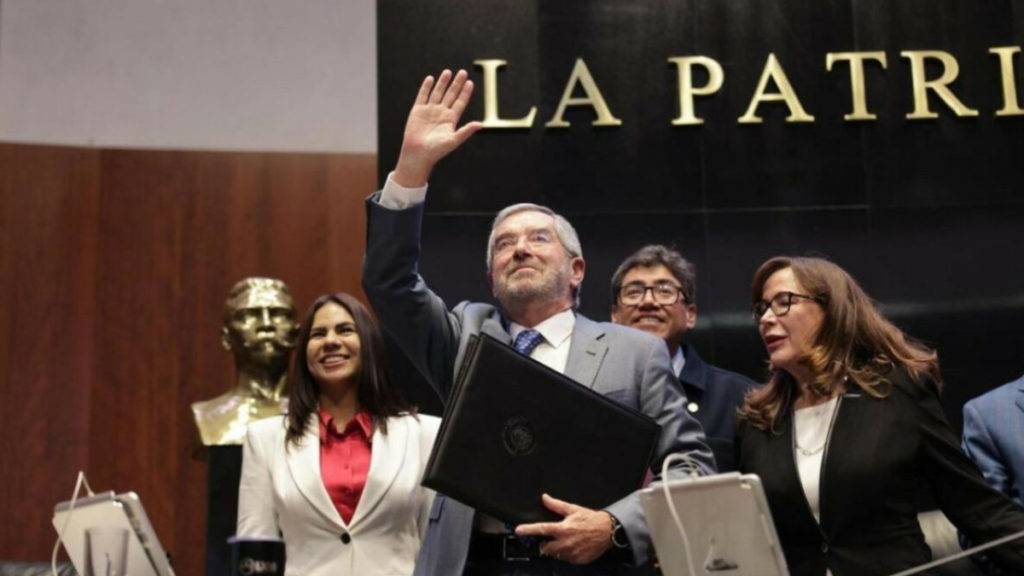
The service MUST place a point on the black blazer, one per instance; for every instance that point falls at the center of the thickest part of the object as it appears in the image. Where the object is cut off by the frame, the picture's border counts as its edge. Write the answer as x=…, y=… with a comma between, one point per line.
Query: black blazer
x=713, y=395
x=879, y=455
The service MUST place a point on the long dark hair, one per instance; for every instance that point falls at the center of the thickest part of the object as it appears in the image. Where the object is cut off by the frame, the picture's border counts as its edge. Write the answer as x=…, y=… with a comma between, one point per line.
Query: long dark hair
x=855, y=341
x=375, y=393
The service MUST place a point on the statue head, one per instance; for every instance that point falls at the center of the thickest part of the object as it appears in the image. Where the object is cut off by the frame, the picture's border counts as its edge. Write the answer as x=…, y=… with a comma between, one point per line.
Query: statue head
x=259, y=324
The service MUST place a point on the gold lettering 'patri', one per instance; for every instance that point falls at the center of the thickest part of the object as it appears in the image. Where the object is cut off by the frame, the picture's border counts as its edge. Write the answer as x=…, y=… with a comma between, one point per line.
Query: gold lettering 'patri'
x=773, y=88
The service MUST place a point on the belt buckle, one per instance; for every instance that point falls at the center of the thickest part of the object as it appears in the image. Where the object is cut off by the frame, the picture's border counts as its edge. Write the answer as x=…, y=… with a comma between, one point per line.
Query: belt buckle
x=515, y=549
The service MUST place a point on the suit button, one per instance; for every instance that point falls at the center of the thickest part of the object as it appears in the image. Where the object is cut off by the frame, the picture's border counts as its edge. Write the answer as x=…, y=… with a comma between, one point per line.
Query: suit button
x=345, y=538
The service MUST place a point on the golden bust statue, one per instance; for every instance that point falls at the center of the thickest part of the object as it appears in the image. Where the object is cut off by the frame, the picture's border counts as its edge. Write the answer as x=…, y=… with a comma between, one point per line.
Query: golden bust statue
x=260, y=331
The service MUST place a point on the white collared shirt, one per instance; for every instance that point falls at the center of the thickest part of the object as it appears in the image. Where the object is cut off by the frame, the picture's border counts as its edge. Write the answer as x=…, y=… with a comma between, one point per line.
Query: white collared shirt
x=678, y=362
x=811, y=427
x=394, y=196
x=553, y=351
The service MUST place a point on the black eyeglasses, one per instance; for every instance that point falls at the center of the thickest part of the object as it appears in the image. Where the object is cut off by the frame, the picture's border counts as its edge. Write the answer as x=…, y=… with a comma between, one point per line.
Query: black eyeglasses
x=780, y=304
x=664, y=294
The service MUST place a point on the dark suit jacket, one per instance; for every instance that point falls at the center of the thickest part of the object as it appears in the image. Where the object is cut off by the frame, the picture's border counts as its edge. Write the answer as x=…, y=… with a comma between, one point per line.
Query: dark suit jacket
x=994, y=437
x=879, y=455
x=628, y=365
x=717, y=394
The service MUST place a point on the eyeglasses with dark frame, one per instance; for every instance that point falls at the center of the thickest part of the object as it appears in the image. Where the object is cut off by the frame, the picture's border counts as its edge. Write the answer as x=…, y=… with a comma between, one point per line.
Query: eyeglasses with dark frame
x=663, y=293
x=780, y=304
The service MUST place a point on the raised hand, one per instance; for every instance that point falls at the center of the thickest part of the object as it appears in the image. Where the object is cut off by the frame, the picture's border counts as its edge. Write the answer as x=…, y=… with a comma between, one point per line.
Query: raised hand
x=431, y=131
x=581, y=537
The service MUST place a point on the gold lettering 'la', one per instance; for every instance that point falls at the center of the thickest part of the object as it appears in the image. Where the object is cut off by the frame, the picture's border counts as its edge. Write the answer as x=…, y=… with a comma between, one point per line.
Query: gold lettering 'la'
x=773, y=71
x=581, y=75
x=491, y=117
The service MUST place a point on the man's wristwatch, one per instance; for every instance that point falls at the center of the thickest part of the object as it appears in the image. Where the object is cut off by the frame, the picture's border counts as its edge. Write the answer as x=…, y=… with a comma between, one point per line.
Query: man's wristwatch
x=619, y=539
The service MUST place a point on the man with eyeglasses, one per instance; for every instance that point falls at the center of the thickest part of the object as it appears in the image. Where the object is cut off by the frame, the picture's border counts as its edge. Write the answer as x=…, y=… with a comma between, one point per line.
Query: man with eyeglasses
x=535, y=267
x=653, y=290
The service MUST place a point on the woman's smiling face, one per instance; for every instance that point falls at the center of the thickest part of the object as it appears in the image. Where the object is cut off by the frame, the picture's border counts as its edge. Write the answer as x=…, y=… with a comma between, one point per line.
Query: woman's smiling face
x=332, y=353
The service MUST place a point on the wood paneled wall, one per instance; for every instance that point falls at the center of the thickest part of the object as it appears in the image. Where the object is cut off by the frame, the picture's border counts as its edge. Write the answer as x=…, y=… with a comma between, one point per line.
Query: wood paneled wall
x=114, y=267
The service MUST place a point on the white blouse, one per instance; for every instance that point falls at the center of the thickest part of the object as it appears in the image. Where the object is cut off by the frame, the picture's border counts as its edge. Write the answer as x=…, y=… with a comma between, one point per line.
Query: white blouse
x=811, y=428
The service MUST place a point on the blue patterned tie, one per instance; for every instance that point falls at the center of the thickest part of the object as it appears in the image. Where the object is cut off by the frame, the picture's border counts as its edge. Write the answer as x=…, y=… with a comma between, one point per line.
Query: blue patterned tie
x=527, y=340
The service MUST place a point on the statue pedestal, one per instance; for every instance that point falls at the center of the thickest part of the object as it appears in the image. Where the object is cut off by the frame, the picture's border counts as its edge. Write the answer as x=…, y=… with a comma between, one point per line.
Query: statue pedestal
x=222, y=478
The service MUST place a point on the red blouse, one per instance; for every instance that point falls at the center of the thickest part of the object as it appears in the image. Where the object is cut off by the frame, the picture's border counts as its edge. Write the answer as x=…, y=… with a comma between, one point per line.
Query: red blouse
x=345, y=460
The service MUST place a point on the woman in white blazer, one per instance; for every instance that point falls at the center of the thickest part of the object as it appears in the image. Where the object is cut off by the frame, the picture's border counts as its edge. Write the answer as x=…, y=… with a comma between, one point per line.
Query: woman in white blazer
x=338, y=477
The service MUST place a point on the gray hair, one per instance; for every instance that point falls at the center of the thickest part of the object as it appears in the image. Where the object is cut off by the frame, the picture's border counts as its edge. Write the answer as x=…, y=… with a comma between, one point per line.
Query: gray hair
x=655, y=255
x=563, y=229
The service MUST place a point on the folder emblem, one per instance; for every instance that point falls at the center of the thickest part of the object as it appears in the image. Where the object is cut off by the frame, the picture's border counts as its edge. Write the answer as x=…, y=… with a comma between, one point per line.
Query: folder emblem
x=518, y=436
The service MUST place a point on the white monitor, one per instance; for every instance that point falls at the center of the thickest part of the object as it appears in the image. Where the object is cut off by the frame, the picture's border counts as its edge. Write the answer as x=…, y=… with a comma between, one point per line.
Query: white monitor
x=109, y=510
x=726, y=521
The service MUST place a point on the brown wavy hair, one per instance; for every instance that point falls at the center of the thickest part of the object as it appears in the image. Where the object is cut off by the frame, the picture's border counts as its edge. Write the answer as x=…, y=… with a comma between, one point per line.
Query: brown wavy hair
x=855, y=342
x=375, y=392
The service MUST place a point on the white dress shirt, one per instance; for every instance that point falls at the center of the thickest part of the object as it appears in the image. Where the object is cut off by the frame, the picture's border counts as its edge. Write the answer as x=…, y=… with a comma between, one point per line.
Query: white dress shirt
x=553, y=351
x=678, y=361
x=812, y=425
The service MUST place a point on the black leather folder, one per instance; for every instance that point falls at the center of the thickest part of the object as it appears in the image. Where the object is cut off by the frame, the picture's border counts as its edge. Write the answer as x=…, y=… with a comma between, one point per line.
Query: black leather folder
x=514, y=429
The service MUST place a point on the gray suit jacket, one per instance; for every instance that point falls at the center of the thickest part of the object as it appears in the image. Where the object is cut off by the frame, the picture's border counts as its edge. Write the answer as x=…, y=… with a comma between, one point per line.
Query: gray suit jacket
x=627, y=365
x=994, y=437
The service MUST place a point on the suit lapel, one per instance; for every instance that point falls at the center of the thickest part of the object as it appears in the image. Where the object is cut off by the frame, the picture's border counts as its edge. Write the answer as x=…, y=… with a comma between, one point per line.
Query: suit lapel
x=586, y=351
x=493, y=327
x=695, y=371
x=845, y=438
x=304, y=466
x=386, y=459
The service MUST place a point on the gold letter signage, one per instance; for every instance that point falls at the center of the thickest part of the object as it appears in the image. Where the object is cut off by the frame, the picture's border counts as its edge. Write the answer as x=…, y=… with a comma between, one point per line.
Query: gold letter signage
x=491, y=118
x=773, y=86
x=581, y=75
x=950, y=70
x=857, y=84
x=684, y=67
x=1010, y=105
x=773, y=71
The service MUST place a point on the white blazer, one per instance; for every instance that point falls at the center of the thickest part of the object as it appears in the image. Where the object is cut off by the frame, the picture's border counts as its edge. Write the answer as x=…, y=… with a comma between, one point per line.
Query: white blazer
x=281, y=492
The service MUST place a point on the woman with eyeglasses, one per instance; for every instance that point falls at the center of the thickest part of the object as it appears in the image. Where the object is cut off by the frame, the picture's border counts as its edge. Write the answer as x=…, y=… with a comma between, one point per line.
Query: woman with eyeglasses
x=849, y=429
x=338, y=477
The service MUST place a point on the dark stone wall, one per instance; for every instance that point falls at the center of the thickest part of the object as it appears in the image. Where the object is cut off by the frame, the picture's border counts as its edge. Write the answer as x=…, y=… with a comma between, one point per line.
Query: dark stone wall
x=927, y=214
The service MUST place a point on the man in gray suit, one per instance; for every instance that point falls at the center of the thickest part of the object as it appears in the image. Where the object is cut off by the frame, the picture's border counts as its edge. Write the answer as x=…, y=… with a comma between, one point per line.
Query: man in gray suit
x=535, y=266
x=994, y=437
